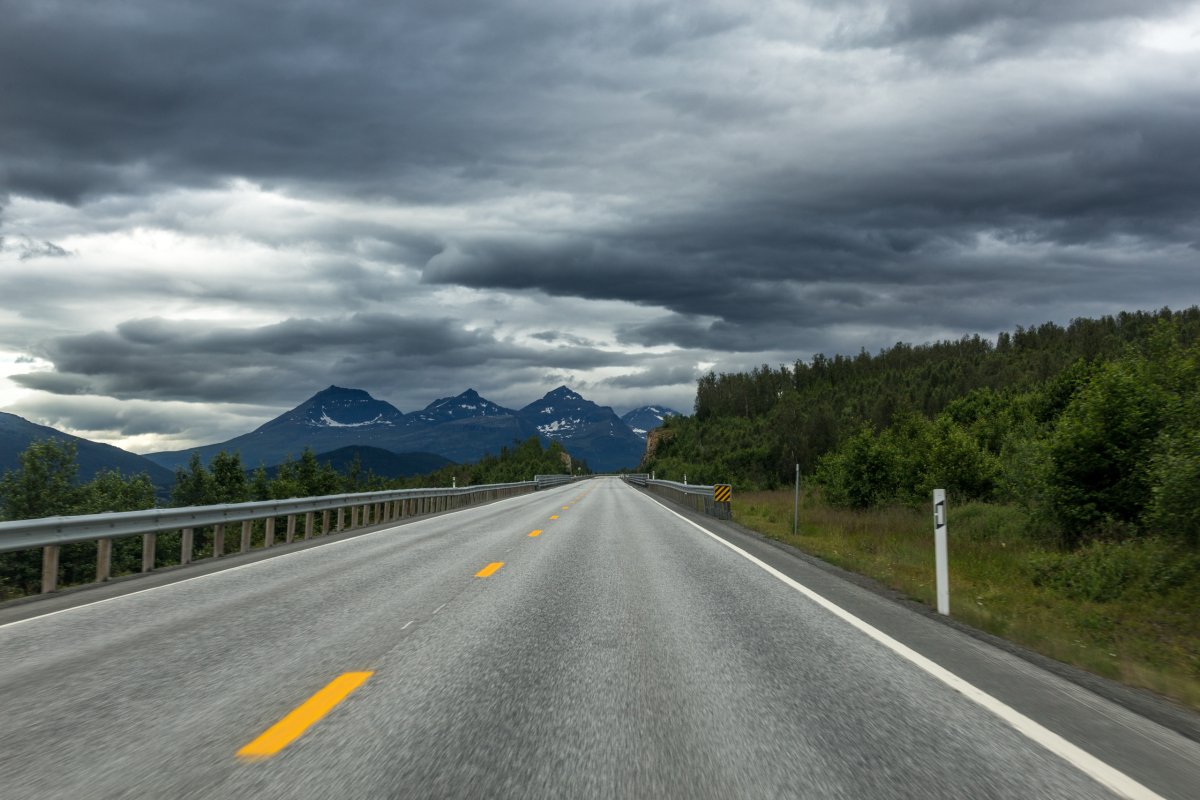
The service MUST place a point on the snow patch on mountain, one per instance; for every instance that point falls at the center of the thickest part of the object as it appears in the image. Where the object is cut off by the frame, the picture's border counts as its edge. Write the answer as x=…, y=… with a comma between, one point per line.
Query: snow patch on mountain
x=329, y=422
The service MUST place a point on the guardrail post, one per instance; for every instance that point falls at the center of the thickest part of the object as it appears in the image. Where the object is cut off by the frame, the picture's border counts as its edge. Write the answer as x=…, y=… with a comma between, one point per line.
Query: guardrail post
x=341, y=520
x=290, y=536
x=103, y=559
x=308, y=524
x=269, y=532
x=149, y=543
x=49, y=568
x=218, y=540
x=185, y=546
x=325, y=515
x=246, y=524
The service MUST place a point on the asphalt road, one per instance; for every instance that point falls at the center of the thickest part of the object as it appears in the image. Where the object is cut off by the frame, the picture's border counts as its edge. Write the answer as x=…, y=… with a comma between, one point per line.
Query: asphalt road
x=622, y=652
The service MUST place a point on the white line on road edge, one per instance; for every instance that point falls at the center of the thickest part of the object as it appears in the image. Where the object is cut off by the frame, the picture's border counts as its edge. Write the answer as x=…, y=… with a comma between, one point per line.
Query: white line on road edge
x=1091, y=766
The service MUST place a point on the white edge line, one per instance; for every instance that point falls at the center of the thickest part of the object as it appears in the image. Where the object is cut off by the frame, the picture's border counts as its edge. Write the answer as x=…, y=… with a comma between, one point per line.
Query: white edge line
x=330, y=541
x=405, y=625
x=1093, y=767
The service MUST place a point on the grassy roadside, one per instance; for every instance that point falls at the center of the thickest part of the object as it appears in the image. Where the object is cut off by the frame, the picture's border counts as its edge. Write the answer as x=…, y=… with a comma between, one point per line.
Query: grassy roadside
x=1130, y=612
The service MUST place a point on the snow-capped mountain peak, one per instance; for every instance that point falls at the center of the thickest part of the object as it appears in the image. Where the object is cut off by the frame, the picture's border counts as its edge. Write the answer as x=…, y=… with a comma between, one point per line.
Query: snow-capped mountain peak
x=467, y=405
x=338, y=407
x=644, y=419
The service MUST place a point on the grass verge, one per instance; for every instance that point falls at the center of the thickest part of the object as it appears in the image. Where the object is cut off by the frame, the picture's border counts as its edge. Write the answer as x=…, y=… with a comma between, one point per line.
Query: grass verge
x=1130, y=611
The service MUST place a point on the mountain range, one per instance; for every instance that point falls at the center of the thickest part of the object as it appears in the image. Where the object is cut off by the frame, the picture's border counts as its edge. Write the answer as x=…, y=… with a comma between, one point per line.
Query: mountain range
x=460, y=428
x=337, y=421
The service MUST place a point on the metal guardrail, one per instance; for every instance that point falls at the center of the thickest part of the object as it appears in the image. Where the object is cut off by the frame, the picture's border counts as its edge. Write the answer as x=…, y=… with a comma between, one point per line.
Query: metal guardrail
x=544, y=481
x=695, y=496
x=364, y=509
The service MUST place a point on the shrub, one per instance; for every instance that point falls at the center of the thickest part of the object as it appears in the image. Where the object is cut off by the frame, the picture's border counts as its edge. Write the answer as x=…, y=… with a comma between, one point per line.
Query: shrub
x=1099, y=450
x=1105, y=571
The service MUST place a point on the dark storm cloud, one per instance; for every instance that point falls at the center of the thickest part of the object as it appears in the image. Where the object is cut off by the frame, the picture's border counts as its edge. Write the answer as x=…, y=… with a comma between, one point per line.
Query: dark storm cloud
x=657, y=375
x=1013, y=23
x=775, y=179
x=279, y=363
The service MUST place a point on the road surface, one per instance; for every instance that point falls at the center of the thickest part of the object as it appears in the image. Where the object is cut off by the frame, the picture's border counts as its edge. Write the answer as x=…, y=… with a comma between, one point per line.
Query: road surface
x=620, y=652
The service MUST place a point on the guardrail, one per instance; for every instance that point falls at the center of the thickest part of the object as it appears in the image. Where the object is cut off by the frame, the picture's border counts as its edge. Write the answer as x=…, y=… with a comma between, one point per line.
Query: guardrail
x=544, y=481
x=703, y=499
x=339, y=512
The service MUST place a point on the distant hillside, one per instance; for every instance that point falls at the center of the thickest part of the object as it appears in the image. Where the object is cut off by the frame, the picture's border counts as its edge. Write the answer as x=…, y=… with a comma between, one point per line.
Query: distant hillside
x=383, y=463
x=753, y=427
x=17, y=433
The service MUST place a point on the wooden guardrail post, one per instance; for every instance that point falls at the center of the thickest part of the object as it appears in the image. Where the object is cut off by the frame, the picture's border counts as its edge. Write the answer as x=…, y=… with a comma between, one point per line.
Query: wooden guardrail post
x=185, y=546
x=308, y=524
x=103, y=560
x=246, y=526
x=149, y=543
x=325, y=522
x=269, y=533
x=218, y=540
x=290, y=536
x=49, y=568
x=341, y=520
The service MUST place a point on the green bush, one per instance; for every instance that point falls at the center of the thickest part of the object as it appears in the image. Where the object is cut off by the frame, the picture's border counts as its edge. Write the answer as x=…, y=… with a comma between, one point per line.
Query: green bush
x=1105, y=571
x=861, y=473
x=1100, y=447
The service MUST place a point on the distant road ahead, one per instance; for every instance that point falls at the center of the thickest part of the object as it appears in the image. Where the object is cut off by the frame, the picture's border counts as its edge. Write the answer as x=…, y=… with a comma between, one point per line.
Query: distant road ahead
x=620, y=652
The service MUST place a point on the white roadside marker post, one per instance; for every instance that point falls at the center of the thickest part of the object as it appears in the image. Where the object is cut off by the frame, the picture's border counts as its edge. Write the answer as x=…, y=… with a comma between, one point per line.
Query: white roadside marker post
x=939, y=551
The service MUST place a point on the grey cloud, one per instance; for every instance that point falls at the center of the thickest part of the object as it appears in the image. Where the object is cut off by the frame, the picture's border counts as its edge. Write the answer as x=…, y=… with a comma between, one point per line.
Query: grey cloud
x=657, y=376
x=559, y=336
x=27, y=248
x=276, y=364
x=1000, y=28
x=745, y=181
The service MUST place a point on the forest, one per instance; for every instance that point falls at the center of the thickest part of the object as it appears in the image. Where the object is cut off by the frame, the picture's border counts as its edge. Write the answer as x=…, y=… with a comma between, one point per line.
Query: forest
x=1095, y=424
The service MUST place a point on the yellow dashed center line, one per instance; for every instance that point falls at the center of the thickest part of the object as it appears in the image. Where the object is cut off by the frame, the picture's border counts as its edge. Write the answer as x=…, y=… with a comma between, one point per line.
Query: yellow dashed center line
x=538, y=532
x=489, y=569
x=565, y=508
x=554, y=516
x=288, y=729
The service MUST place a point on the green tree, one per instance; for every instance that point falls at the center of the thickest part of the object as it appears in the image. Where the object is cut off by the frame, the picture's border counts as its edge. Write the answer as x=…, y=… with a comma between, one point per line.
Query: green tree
x=45, y=483
x=229, y=483
x=193, y=485
x=1100, y=447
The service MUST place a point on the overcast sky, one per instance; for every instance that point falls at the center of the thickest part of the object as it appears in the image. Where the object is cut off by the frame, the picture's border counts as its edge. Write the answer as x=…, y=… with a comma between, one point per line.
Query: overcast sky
x=211, y=210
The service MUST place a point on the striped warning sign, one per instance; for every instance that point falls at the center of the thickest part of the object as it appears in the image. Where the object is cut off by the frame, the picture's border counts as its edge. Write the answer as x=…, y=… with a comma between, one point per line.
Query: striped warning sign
x=722, y=492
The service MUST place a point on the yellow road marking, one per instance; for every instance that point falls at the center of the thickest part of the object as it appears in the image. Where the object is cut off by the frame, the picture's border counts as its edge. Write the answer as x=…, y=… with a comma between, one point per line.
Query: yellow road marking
x=489, y=569
x=554, y=516
x=538, y=532
x=288, y=729
x=565, y=508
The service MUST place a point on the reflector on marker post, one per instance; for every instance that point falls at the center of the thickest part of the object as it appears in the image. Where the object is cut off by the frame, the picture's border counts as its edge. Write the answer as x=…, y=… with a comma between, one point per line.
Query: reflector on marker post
x=941, y=562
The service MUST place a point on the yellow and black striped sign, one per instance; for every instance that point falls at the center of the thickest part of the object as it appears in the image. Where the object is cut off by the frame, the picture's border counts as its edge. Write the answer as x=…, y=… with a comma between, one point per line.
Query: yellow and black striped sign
x=722, y=492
